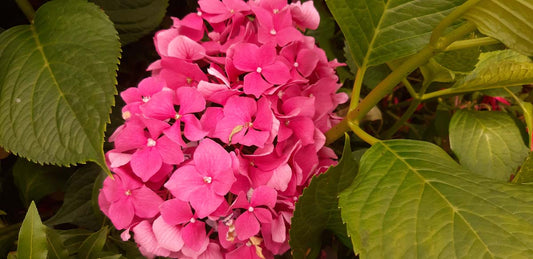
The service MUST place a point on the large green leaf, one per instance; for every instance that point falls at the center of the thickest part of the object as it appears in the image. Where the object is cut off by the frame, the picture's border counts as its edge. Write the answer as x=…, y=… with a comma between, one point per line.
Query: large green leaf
x=411, y=200
x=35, y=181
x=318, y=209
x=93, y=245
x=379, y=31
x=77, y=207
x=134, y=18
x=509, y=21
x=497, y=69
x=57, y=79
x=32, y=236
x=487, y=143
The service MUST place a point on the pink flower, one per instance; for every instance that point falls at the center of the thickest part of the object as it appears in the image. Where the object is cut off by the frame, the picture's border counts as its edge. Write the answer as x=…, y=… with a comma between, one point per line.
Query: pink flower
x=248, y=223
x=305, y=15
x=206, y=180
x=162, y=107
x=220, y=11
x=125, y=198
x=150, y=152
x=245, y=122
x=191, y=230
x=261, y=62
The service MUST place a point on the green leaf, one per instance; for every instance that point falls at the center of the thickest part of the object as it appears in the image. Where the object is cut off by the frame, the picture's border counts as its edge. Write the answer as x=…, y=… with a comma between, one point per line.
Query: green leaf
x=73, y=238
x=92, y=246
x=497, y=69
x=57, y=79
x=32, y=236
x=411, y=200
x=379, y=31
x=56, y=248
x=77, y=207
x=134, y=19
x=432, y=71
x=525, y=174
x=462, y=61
x=35, y=181
x=487, y=143
x=317, y=209
x=509, y=21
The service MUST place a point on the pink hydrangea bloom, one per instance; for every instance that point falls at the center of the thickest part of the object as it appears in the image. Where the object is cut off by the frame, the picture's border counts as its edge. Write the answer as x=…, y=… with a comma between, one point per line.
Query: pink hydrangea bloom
x=219, y=142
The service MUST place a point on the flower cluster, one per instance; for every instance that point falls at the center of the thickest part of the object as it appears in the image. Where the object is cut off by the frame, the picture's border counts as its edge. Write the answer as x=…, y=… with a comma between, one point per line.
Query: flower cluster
x=218, y=144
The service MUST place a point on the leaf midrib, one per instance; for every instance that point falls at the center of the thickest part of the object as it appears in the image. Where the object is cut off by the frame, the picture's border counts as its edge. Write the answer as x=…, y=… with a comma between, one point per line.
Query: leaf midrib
x=58, y=88
x=455, y=211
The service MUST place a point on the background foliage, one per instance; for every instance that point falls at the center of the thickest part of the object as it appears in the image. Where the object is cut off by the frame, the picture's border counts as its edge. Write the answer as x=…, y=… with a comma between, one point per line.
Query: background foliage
x=447, y=161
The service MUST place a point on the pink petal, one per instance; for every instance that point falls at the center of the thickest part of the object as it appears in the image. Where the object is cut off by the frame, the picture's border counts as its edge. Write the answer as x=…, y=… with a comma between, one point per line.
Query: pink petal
x=210, y=118
x=146, y=202
x=184, y=48
x=151, y=85
x=190, y=100
x=185, y=181
x=246, y=226
x=204, y=202
x=144, y=236
x=246, y=57
x=288, y=35
x=163, y=38
x=264, y=117
x=299, y=106
x=160, y=106
x=193, y=130
x=264, y=195
x=279, y=231
x=169, y=150
x=241, y=109
x=210, y=158
x=241, y=201
x=192, y=26
x=280, y=178
x=212, y=252
x=131, y=95
x=263, y=215
x=254, y=138
x=132, y=136
x=303, y=128
x=255, y=84
x=174, y=133
x=194, y=235
x=305, y=15
x=168, y=236
x=146, y=162
x=121, y=213
x=118, y=159
x=175, y=211
x=212, y=6
x=276, y=73
x=307, y=60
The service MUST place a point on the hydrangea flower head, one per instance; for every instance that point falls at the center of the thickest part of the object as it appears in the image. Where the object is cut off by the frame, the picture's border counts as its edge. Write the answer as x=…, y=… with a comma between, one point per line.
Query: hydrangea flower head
x=218, y=144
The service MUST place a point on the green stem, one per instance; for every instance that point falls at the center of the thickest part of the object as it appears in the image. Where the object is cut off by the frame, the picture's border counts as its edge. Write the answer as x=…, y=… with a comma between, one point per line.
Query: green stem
x=437, y=33
x=337, y=131
x=354, y=126
x=388, y=84
x=27, y=9
x=464, y=44
x=406, y=83
x=356, y=89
